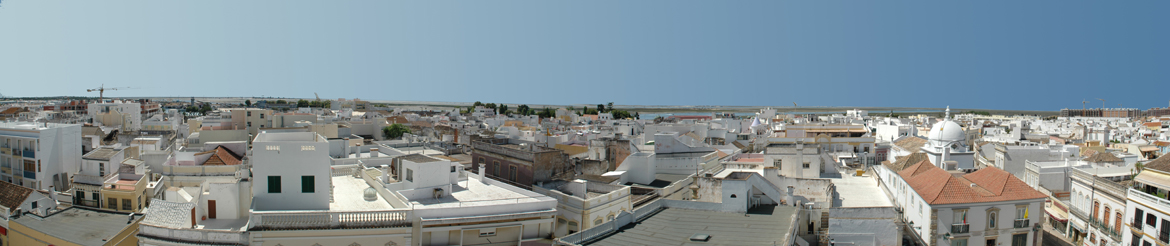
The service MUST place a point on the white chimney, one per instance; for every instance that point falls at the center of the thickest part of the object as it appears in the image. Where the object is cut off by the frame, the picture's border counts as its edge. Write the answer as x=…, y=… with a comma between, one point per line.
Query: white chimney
x=373, y=152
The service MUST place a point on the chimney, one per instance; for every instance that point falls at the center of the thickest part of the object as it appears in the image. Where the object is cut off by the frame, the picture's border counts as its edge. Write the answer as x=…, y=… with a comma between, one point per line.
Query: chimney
x=790, y=198
x=373, y=152
x=345, y=147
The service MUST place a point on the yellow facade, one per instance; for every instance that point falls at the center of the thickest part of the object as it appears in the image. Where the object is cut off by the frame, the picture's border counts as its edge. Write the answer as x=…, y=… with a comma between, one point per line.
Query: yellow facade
x=136, y=197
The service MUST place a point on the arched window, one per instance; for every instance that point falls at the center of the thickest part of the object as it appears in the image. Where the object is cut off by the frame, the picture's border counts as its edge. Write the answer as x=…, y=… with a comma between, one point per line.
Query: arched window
x=1095, y=206
x=1105, y=216
x=1117, y=222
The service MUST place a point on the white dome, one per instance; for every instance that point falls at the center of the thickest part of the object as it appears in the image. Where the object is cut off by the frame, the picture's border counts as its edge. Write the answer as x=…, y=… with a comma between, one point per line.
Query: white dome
x=947, y=131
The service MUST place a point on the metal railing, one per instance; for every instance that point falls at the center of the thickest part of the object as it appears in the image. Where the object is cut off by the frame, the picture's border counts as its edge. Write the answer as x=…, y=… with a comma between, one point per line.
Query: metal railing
x=30, y=175
x=960, y=228
x=1105, y=228
x=28, y=153
x=1021, y=223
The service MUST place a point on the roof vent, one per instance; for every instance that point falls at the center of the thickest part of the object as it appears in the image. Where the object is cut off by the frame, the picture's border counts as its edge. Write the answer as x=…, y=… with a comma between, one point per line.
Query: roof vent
x=371, y=194
x=973, y=185
x=700, y=237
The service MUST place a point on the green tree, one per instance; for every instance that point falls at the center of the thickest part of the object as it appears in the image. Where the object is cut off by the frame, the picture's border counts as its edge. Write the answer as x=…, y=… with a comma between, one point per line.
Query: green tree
x=609, y=107
x=490, y=105
x=302, y=103
x=523, y=109
x=281, y=101
x=503, y=109
x=395, y=131
x=621, y=114
x=637, y=116
x=248, y=102
x=600, y=108
x=546, y=113
x=477, y=103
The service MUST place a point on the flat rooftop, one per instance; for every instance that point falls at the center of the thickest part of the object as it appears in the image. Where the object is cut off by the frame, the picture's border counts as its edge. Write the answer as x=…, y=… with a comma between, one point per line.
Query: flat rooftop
x=80, y=226
x=474, y=192
x=863, y=191
x=349, y=195
x=24, y=125
x=766, y=225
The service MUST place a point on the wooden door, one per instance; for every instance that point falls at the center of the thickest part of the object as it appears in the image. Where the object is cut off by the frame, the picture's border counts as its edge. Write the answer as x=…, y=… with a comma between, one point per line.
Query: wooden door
x=210, y=209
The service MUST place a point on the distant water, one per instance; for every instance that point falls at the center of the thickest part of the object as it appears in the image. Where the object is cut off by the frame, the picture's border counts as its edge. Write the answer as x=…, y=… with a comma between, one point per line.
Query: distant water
x=914, y=111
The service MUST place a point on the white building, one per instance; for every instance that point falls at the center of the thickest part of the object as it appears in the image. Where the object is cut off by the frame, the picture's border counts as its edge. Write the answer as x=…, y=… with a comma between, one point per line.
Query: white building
x=947, y=141
x=292, y=171
x=39, y=155
x=126, y=115
x=1147, y=211
x=982, y=208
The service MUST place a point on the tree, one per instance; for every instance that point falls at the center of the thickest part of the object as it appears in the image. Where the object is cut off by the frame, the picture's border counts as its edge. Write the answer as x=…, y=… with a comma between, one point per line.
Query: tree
x=476, y=104
x=523, y=109
x=302, y=103
x=609, y=107
x=248, y=103
x=395, y=131
x=490, y=105
x=636, y=116
x=503, y=109
x=621, y=114
x=546, y=113
x=281, y=101
x=600, y=108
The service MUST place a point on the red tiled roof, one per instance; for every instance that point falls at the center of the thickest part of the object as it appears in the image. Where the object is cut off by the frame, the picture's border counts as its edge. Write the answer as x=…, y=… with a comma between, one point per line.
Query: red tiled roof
x=991, y=184
x=12, y=195
x=221, y=156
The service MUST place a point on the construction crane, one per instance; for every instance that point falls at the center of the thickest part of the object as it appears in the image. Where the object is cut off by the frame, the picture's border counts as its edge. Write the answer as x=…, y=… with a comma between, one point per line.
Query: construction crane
x=102, y=91
x=1083, y=102
x=318, y=96
x=794, y=104
x=1102, y=103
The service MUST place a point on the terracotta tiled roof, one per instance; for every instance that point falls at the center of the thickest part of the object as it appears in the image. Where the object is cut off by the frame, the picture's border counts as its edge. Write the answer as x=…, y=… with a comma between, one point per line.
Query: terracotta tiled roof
x=10, y=111
x=1160, y=164
x=990, y=184
x=12, y=195
x=1103, y=157
x=910, y=143
x=906, y=161
x=221, y=156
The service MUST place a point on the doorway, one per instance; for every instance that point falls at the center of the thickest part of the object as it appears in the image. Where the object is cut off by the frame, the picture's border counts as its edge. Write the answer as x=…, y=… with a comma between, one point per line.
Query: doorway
x=991, y=242
x=210, y=209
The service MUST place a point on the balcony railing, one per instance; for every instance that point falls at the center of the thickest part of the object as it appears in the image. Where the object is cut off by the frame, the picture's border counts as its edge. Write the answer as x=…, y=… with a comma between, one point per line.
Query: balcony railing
x=28, y=153
x=960, y=228
x=1105, y=228
x=292, y=220
x=1021, y=223
x=194, y=236
x=30, y=175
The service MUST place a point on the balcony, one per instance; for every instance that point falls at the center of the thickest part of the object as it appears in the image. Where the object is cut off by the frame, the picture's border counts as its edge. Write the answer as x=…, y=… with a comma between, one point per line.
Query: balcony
x=6, y=151
x=960, y=228
x=1021, y=223
x=30, y=175
x=28, y=153
x=1105, y=228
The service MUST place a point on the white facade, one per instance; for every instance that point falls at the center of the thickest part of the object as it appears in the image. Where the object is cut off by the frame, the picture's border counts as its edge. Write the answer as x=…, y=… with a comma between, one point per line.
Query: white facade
x=126, y=115
x=39, y=155
x=282, y=163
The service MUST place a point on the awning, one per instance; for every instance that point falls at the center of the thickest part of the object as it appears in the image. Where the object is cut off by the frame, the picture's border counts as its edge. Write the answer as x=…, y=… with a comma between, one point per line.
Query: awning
x=1057, y=213
x=1155, y=179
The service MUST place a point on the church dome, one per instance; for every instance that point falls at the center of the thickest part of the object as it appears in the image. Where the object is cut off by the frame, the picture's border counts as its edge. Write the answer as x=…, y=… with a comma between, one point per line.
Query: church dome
x=947, y=131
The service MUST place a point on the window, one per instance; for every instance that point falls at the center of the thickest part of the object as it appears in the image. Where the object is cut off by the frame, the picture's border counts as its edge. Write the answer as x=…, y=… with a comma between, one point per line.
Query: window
x=960, y=222
x=249, y=113
x=452, y=168
x=1152, y=220
x=1145, y=243
x=597, y=222
x=34, y=205
x=249, y=124
x=102, y=169
x=273, y=184
x=573, y=227
x=126, y=204
x=1164, y=233
x=481, y=162
x=777, y=163
x=1117, y=222
x=1095, y=206
x=1020, y=239
x=112, y=203
x=609, y=218
x=261, y=115
x=308, y=148
x=1105, y=216
x=409, y=175
x=806, y=165
x=959, y=242
x=308, y=184
x=1136, y=241
x=1137, y=218
x=496, y=167
x=272, y=147
x=512, y=173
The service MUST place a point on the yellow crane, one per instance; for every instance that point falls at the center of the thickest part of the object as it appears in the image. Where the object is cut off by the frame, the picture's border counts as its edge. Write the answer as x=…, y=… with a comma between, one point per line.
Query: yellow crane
x=102, y=91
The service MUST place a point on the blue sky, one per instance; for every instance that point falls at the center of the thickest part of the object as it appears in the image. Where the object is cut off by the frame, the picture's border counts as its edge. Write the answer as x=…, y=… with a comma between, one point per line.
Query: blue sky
x=1034, y=55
